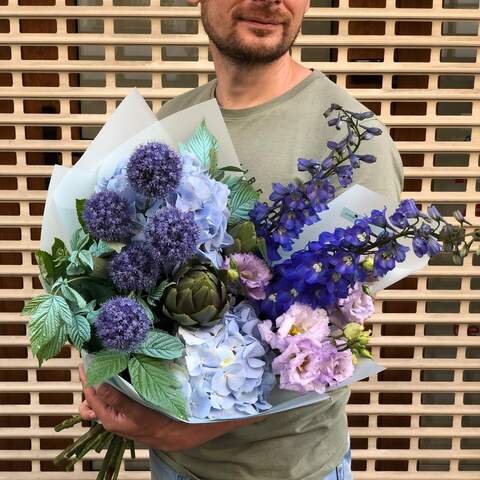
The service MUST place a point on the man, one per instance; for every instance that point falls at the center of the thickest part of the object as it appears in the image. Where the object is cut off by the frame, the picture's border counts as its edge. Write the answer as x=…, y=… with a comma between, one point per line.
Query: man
x=273, y=108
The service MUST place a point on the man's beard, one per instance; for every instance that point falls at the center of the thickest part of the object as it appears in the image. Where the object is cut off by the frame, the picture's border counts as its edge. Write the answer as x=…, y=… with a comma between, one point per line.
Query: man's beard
x=241, y=53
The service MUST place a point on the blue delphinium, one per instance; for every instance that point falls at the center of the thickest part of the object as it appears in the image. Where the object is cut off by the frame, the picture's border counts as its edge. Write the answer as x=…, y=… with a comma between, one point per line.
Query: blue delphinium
x=174, y=235
x=154, y=170
x=207, y=199
x=294, y=206
x=135, y=268
x=106, y=216
x=122, y=324
x=325, y=270
x=227, y=366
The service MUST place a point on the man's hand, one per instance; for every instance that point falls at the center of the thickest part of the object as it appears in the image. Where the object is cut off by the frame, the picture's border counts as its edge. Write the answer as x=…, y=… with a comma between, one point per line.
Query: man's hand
x=126, y=418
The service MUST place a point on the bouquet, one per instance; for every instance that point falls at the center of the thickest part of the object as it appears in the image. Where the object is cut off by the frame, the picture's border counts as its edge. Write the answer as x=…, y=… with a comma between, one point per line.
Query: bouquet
x=184, y=291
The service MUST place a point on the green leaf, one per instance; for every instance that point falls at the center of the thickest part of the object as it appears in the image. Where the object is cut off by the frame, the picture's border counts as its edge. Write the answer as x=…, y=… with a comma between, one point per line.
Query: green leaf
x=241, y=200
x=146, y=307
x=231, y=169
x=101, y=248
x=262, y=248
x=80, y=205
x=59, y=253
x=88, y=308
x=231, y=181
x=74, y=270
x=72, y=295
x=213, y=162
x=154, y=381
x=161, y=345
x=106, y=364
x=86, y=258
x=45, y=264
x=156, y=293
x=218, y=176
x=79, y=331
x=202, y=144
x=79, y=240
x=32, y=305
x=52, y=348
x=95, y=289
x=49, y=316
x=92, y=316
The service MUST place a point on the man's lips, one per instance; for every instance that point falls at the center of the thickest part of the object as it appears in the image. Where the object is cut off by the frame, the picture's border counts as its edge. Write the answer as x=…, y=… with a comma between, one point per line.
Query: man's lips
x=261, y=22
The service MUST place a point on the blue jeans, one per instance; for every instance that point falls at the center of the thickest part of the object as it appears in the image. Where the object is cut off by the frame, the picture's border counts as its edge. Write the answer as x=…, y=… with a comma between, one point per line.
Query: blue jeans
x=161, y=471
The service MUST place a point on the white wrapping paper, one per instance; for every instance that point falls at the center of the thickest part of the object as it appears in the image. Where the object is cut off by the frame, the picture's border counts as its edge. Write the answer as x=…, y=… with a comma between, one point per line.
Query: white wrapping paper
x=132, y=124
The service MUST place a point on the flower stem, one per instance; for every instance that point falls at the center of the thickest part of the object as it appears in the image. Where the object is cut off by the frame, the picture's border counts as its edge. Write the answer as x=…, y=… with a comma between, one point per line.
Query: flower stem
x=131, y=446
x=118, y=459
x=104, y=441
x=108, y=458
x=84, y=441
x=68, y=423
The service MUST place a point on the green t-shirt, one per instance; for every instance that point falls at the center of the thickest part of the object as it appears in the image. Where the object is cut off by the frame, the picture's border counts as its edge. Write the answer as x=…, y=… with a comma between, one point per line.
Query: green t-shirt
x=306, y=443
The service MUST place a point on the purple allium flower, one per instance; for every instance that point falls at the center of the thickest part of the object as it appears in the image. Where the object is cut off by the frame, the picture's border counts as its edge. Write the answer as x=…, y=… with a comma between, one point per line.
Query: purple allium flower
x=173, y=233
x=135, y=268
x=154, y=170
x=253, y=271
x=122, y=324
x=107, y=217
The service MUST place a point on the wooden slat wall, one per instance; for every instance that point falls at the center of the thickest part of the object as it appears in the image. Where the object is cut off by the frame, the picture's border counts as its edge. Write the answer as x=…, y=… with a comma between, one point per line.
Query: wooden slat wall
x=65, y=64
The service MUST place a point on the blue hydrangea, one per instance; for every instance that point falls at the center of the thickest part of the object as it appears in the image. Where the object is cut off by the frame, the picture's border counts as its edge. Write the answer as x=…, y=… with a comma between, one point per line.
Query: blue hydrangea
x=173, y=233
x=122, y=324
x=106, y=216
x=228, y=368
x=135, y=268
x=154, y=170
x=207, y=200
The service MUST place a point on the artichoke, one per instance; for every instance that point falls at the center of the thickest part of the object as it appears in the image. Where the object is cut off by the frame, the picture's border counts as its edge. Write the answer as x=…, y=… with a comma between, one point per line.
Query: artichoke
x=197, y=298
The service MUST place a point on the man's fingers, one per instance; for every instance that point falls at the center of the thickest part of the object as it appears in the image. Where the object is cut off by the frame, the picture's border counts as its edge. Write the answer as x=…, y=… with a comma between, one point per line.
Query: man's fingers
x=85, y=411
x=94, y=401
x=113, y=420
